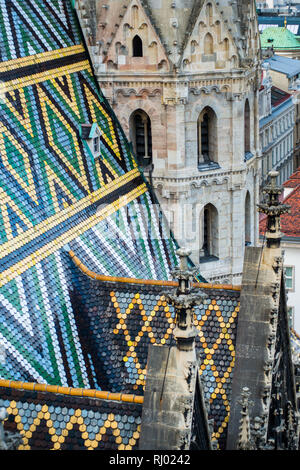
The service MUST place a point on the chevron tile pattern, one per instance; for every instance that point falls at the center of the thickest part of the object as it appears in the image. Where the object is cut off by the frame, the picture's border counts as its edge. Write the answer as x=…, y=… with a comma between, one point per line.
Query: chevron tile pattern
x=119, y=320
x=55, y=196
x=50, y=421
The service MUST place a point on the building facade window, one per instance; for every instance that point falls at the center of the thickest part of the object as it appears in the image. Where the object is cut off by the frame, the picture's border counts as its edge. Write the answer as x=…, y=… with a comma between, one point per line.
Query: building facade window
x=291, y=315
x=207, y=136
x=210, y=230
x=247, y=127
x=247, y=219
x=289, y=275
x=137, y=47
x=141, y=137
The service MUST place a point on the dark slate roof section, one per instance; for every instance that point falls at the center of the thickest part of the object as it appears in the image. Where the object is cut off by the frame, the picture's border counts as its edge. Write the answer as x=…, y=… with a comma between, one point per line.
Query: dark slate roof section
x=53, y=421
x=117, y=321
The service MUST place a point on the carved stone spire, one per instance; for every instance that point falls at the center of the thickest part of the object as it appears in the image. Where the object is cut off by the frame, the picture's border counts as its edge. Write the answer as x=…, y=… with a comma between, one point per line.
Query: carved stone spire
x=245, y=442
x=273, y=208
x=183, y=301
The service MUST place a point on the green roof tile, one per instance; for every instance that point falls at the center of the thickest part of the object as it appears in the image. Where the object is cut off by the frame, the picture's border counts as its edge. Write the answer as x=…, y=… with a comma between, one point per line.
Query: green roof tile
x=279, y=38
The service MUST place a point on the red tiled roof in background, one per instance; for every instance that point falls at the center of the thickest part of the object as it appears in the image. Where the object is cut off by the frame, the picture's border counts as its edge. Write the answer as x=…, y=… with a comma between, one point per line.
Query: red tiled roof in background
x=293, y=181
x=290, y=223
x=278, y=96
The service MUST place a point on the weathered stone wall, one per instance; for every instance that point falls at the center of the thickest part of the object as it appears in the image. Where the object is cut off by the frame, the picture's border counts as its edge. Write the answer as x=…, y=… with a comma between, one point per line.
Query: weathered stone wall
x=256, y=328
x=173, y=82
x=169, y=400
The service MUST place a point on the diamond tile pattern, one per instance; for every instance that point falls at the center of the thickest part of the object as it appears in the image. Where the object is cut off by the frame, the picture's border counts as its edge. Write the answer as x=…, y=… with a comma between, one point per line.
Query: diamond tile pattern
x=49, y=421
x=119, y=320
x=56, y=325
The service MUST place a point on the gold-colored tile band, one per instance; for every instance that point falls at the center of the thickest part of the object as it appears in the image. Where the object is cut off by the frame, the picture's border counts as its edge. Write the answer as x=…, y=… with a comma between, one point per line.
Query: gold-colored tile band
x=73, y=232
x=35, y=78
x=40, y=58
x=80, y=392
x=43, y=76
x=149, y=282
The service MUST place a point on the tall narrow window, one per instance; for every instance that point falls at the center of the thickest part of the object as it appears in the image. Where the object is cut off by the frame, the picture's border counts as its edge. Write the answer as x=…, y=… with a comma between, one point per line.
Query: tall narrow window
x=210, y=232
x=96, y=145
x=247, y=127
x=208, y=44
x=247, y=219
x=291, y=315
x=209, y=13
x=207, y=137
x=141, y=137
x=137, y=47
x=289, y=276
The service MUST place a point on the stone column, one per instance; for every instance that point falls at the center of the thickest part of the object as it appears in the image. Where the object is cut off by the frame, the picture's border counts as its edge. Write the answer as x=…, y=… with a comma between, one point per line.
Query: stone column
x=172, y=376
x=257, y=322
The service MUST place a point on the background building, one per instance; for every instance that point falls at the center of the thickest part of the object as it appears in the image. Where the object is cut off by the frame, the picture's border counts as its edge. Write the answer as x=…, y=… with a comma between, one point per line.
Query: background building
x=183, y=79
x=277, y=122
x=282, y=41
x=292, y=23
x=273, y=7
x=285, y=74
x=291, y=245
x=92, y=324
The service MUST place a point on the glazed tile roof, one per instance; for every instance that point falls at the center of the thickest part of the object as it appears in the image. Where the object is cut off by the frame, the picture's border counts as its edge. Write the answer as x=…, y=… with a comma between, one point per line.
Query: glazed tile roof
x=55, y=196
x=57, y=202
x=278, y=37
x=70, y=419
x=118, y=319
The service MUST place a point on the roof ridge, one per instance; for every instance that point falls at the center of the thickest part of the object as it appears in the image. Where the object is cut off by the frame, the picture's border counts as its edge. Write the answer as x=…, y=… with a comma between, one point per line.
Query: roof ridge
x=129, y=280
x=82, y=392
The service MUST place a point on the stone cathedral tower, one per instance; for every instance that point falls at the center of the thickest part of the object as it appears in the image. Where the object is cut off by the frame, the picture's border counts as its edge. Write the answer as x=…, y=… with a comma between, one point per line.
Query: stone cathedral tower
x=183, y=77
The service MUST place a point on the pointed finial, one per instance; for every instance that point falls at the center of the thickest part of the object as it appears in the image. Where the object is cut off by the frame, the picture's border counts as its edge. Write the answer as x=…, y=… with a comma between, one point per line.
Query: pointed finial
x=183, y=300
x=273, y=208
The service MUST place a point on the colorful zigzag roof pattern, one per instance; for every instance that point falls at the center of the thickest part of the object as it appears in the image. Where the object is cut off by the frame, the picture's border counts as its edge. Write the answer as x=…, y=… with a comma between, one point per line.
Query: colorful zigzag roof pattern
x=58, y=204
x=55, y=196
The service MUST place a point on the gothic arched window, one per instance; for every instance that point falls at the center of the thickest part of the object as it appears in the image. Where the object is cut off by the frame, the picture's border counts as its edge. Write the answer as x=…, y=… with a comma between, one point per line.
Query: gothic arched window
x=247, y=219
x=210, y=232
x=141, y=137
x=207, y=136
x=209, y=13
x=247, y=127
x=208, y=44
x=137, y=47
